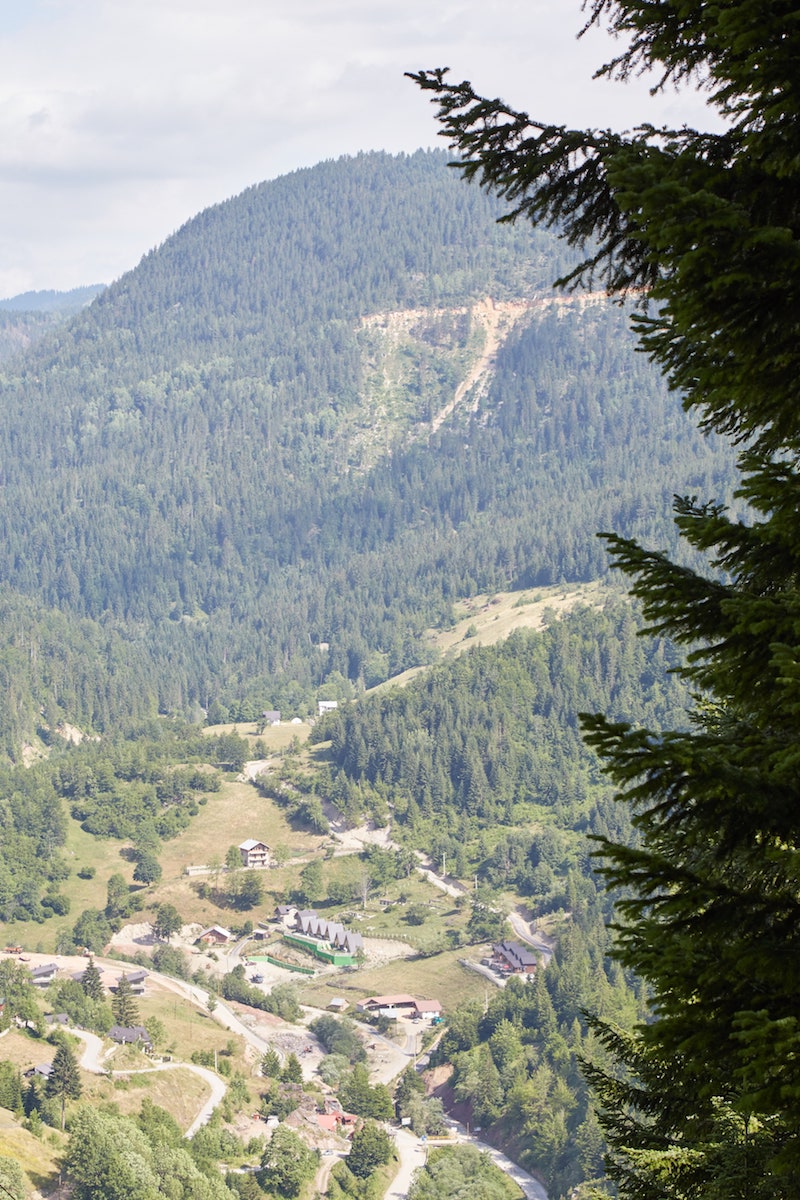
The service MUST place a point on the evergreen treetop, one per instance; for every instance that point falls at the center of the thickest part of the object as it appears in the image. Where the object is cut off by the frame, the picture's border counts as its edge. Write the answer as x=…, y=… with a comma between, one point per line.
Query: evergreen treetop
x=123, y=1003
x=64, y=1080
x=91, y=982
x=704, y=228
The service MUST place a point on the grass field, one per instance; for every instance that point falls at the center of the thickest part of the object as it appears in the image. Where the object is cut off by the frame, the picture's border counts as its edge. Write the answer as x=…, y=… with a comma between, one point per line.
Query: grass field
x=189, y=1028
x=38, y=1157
x=234, y=813
x=179, y=1091
x=274, y=737
x=487, y=619
x=23, y=1051
x=440, y=977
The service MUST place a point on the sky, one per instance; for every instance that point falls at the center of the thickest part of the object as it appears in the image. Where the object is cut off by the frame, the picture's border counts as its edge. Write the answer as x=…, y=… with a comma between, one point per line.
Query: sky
x=120, y=121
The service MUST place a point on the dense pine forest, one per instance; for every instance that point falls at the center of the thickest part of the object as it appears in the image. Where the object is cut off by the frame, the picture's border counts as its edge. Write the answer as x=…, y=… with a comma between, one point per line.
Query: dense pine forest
x=228, y=480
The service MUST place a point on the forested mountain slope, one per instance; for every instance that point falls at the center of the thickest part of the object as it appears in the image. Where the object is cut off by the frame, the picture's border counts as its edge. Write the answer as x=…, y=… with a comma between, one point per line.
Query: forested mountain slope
x=248, y=446
x=26, y=318
x=480, y=763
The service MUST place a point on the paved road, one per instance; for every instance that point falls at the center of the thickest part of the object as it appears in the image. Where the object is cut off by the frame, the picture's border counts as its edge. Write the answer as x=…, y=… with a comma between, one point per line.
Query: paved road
x=95, y=1056
x=543, y=945
x=412, y=1155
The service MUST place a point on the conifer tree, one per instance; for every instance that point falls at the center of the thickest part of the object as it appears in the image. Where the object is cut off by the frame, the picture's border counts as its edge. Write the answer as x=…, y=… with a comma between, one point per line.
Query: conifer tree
x=64, y=1080
x=123, y=1004
x=91, y=982
x=701, y=231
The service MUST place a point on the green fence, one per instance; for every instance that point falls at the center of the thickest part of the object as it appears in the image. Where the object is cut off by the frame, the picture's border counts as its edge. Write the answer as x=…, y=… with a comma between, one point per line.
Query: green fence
x=339, y=958
x=277, y=962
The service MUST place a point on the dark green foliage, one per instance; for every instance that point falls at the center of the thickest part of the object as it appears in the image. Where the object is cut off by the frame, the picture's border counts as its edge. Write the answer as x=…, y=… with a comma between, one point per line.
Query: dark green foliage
x=147, y=869
x=116, y=1158
x=493, y=738
x=451, y=1173
x=12, y=1180
x=171, y=961
x=92, y=931
x=517, y=1065
x=232, y=751
x=235, y=987
x=64, y=1081
x=34, y=830
x=339, y=1036
x=311, y=886
x=417, y=914
x=371, y=1147
x=425, y=1116
x=123, y=1003
x=249, y=891
x=244, y=1186
x=292, y=1072
x=282, y=1001
x=10, y=1087
x=91, y=984
x=68, y=996
x=728, y=1154
x=214, y=1143
x=280, y=1099
x=709, y=226
x=126, y=786
x=119, y=902
x=271, y=1064
x=269, y=523
x=286, y=1163
x=167, y=921
x=18, y=992
x=357, y=1096
x=160, y=1126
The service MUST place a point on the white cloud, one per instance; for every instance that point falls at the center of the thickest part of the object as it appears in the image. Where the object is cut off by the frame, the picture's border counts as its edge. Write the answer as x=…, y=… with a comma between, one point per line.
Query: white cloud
x=119, y=121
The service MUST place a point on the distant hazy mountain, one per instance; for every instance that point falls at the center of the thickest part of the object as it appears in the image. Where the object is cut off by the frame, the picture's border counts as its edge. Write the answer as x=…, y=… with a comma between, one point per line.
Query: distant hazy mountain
x=25, y=319
x=279, y=448
x=53, y=302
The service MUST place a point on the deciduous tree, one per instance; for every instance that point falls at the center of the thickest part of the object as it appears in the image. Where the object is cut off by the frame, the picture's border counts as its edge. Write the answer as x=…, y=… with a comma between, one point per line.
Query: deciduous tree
x=286, y=1163
x=371, y=1147
x=167, y=921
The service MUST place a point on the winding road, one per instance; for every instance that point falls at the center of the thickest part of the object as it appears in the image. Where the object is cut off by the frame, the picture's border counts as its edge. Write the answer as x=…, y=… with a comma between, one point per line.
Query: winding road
x=94, y=1057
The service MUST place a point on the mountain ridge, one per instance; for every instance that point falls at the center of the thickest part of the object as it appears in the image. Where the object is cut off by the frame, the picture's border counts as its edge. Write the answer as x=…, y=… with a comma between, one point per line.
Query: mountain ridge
x=223, y=462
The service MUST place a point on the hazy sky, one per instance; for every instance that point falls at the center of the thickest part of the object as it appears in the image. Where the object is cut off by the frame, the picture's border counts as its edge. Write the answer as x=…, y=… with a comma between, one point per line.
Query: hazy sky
x=119, y=121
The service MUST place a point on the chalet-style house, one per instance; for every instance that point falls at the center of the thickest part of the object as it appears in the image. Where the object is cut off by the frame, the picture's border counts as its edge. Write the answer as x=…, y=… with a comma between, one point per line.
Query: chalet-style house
x=43, y=1070
x=515, y=958
x=254, y=854
x=310, y=925
x=44, y=975
x=135, y=979
x=400, y=1005
x=215, y=935
x=131, y=1035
